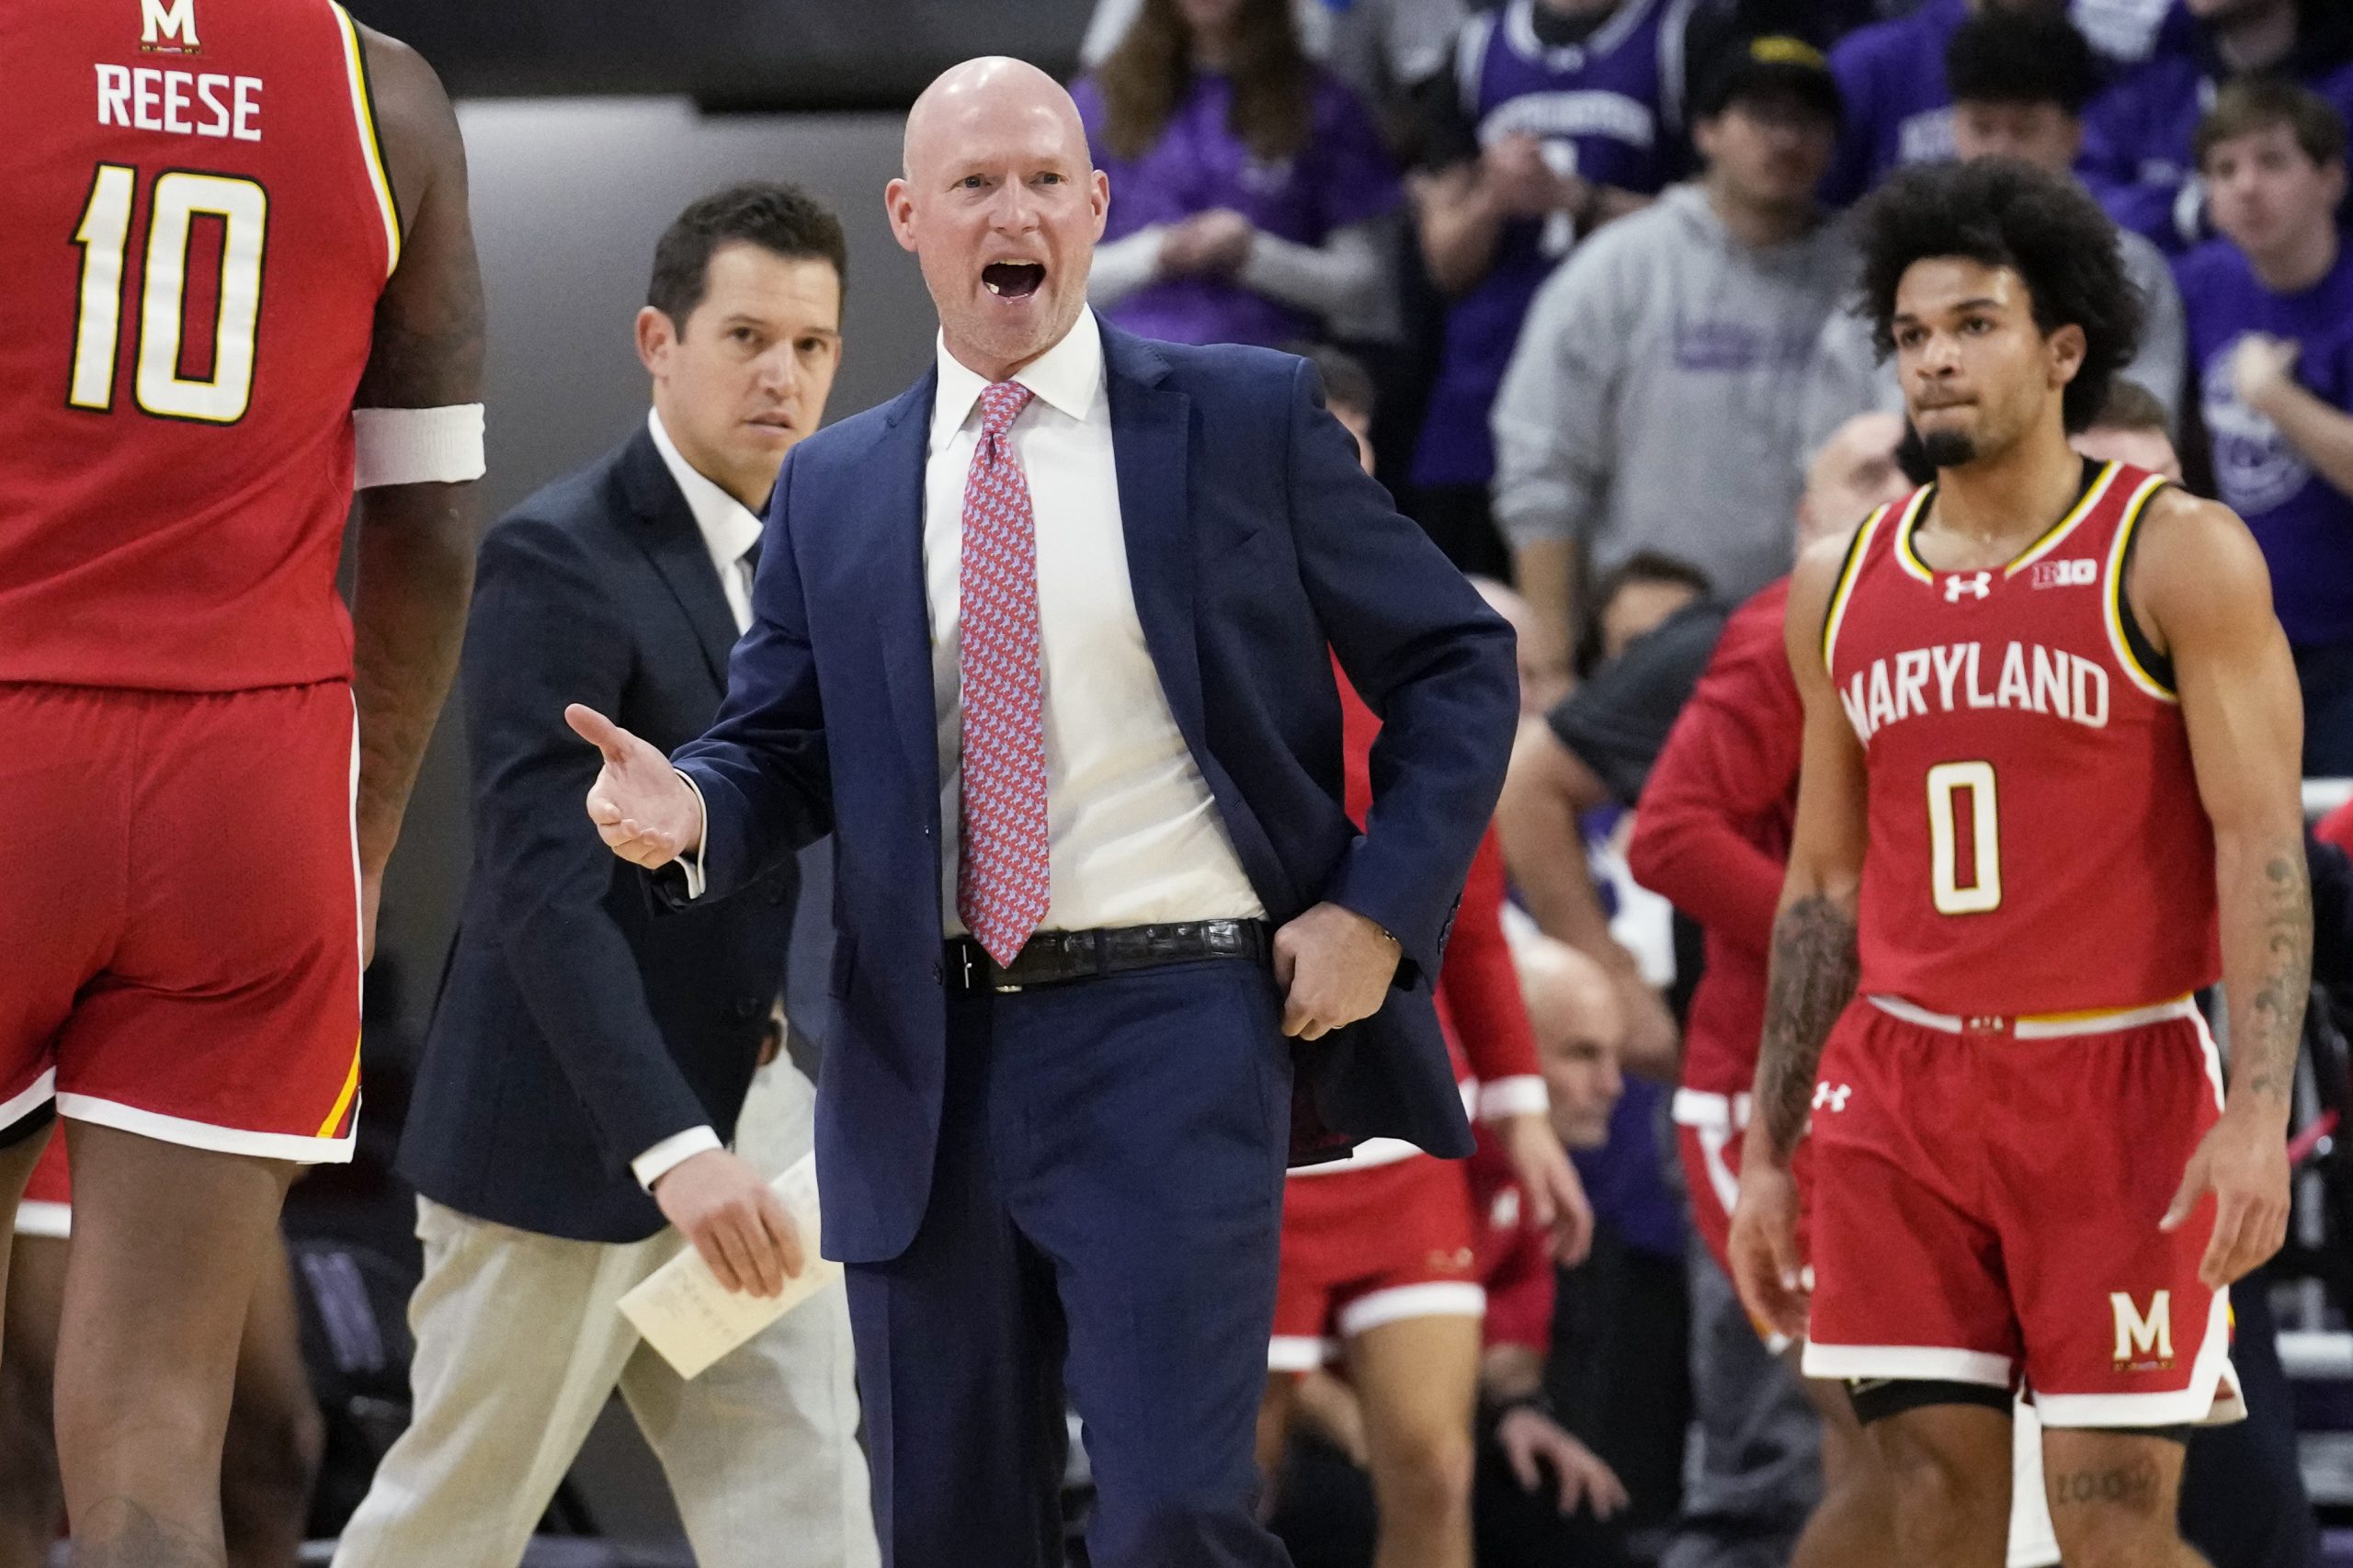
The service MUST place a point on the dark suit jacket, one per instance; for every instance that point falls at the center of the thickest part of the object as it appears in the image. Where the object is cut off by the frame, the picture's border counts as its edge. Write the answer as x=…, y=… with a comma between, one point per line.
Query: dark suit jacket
x=574, y=1030
x=1257, y=550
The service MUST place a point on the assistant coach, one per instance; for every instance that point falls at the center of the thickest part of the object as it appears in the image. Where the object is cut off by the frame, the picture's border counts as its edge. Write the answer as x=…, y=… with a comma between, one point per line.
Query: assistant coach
x=1046, y=643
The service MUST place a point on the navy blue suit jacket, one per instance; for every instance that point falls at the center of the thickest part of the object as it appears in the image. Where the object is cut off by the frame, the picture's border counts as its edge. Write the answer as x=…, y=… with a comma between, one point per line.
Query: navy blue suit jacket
x=1257, y=550
x=575, y=1029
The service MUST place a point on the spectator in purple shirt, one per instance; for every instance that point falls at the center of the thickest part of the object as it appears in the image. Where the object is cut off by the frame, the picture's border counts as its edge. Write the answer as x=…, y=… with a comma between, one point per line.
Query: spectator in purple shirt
x=2270, y=309
x=1247, y=186
x=1891, y=79
x=2137, y=139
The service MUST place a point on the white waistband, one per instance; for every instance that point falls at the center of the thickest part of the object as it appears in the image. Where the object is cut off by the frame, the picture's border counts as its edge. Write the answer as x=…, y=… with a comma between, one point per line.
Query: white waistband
x=2052, y=1028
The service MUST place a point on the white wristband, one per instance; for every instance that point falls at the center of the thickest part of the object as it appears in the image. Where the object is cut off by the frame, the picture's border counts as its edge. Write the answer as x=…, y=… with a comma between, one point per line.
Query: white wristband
x=416, y=446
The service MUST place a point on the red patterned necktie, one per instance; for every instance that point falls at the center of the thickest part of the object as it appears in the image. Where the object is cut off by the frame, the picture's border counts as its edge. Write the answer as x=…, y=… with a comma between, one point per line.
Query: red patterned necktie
x=1002, y=875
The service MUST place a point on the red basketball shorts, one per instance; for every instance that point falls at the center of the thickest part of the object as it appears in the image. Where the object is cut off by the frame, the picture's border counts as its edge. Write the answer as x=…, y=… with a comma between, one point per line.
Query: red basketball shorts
x=1986, y=1204
x=1709, y=1130
x=181, y=915
x=1366, y=1247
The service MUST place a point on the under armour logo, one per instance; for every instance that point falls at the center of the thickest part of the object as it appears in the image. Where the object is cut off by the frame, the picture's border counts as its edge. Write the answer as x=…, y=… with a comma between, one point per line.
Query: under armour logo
x=1832, y=1096
x=1978, y=582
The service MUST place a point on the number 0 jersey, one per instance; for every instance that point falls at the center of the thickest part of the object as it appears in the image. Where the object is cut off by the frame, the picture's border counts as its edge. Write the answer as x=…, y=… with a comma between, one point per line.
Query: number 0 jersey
x=200, y=225
x=2037, y=844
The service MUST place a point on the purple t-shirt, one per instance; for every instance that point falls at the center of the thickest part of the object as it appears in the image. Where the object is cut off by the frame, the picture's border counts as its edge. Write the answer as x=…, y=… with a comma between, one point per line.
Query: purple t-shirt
x=1342, y=176
x=2303, y=523
x=1897, y=109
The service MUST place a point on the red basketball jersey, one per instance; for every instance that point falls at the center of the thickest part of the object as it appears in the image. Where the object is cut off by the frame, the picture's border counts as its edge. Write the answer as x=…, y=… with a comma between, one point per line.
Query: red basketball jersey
x=198, y=228
x=2037, y=844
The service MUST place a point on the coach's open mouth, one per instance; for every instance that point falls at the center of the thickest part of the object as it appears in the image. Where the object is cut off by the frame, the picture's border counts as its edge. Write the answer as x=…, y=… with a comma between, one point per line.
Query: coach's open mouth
x=1013, y=279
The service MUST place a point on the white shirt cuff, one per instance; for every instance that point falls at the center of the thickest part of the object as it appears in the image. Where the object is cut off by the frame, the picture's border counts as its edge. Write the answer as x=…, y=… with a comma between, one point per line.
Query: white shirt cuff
x=1522, y=1095
x=671, y=1152
x=692, y=864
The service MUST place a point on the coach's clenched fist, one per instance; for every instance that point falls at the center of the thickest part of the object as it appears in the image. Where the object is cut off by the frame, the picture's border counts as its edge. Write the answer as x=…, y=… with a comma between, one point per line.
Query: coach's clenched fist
x=643, y=811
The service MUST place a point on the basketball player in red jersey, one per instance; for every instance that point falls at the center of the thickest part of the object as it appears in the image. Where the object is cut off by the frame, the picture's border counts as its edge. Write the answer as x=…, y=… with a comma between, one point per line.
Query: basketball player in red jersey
x=239, y=268
x=2049, y=789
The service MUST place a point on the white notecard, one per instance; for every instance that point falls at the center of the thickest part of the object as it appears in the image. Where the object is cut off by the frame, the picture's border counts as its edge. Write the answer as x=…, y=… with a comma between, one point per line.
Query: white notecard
x=683, y=1312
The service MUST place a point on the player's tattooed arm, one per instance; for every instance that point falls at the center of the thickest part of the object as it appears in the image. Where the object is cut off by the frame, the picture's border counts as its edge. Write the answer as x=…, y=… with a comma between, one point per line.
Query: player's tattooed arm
x=415, y=541
x=2199, y=588
x=2268, y=1036
x=1813, y=979
x=1813, y=962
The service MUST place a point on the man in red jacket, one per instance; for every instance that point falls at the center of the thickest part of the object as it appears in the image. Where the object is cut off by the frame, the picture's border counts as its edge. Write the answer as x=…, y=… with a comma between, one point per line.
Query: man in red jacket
x=1710, y=836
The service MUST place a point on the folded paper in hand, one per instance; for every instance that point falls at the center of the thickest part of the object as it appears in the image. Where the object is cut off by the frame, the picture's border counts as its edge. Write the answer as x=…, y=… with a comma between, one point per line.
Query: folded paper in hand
x=683, y=1312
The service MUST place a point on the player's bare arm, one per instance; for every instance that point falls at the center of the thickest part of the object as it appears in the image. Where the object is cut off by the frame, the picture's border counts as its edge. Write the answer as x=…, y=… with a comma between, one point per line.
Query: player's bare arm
x=416, y=541
x=2200, y=587
x=1812, y=965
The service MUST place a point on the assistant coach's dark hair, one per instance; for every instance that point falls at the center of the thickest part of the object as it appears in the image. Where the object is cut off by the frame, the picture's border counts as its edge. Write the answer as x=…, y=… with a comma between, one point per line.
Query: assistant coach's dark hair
x=779, y=218
x=2005, y=213
x=2021, y=57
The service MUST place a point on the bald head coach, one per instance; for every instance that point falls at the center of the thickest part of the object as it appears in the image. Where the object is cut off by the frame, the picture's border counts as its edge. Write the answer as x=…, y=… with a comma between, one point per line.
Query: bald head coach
x=1046, y=643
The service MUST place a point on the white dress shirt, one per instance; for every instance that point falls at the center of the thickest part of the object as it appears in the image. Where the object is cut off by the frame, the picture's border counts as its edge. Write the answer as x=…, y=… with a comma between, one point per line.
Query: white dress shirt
x=728, y=529
x=1134, y=835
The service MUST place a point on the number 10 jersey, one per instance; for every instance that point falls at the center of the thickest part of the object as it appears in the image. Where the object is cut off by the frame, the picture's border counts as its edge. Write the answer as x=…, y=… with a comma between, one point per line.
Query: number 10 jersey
x=2037, y=844
x=199, y=227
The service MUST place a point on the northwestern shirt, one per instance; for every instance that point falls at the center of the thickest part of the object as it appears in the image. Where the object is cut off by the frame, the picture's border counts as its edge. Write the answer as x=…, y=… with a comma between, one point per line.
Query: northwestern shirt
x=1608, y=109
x=1341, y=177
x=1897, y=109
x=2303, y=523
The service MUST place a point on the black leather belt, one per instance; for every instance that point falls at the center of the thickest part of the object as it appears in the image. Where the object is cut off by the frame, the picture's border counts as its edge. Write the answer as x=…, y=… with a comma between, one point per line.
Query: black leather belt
x=1054, y=958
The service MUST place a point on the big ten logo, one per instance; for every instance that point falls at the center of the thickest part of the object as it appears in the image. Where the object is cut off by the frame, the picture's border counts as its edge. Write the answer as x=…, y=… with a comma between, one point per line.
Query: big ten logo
x=2066, y=574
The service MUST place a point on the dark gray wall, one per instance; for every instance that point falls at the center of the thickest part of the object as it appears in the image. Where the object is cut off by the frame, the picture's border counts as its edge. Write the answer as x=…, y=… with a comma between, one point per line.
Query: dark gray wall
x=569, y=196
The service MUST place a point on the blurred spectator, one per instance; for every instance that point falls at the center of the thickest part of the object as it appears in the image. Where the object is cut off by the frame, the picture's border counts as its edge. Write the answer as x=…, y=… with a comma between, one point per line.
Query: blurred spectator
x=1891, y=76
x=1559, y=115
x=1248, y=184
x=1542, y=681
x=1635, y=595
x=1652, y=400
x=2271, y=326
x=1711, y=833
x=2019, y=83
x=2131, y=428
x=1544, y=1497
x=1384, y=49
x=2140, y=155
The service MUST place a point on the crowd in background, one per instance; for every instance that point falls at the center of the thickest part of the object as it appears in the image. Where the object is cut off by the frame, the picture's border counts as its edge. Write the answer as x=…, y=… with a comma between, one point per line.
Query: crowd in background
x=1578, y=270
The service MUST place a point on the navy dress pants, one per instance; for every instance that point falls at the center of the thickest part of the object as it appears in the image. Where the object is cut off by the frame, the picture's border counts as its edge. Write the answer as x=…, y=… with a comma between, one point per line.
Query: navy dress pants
x=1104, y=1216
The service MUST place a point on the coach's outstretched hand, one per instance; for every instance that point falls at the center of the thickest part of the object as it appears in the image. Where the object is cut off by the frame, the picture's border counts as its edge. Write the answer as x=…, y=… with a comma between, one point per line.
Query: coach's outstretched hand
x=2242, y=1161
x=643, y=811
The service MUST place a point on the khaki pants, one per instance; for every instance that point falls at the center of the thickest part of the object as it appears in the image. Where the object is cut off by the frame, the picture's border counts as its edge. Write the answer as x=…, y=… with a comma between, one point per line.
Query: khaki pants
x=518, y=1346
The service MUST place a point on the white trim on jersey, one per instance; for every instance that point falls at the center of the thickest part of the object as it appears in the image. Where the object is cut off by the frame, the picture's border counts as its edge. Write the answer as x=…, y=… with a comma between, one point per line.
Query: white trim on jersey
x=1299, y=1352
x=51, y=1222
x=371, y=151
x=292, y=1146
x=1699, y=1107
x=2210, y=1400
x=1908, y=1362
x=29, y=1099
x=1433, y=1299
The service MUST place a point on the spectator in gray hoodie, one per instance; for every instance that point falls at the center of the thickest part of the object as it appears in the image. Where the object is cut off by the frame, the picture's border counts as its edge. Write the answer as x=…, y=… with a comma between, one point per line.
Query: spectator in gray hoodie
x=1652, y=403
x=2019, y=83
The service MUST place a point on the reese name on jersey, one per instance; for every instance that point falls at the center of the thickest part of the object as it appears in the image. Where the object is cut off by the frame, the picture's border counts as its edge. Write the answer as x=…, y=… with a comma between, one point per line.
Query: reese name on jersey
x=180, y=103
x=1950, y=678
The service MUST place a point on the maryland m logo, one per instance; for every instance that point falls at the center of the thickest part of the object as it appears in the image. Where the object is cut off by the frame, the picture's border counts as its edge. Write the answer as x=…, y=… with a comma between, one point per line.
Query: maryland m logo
x=2140, y=1338
x=167, y=26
